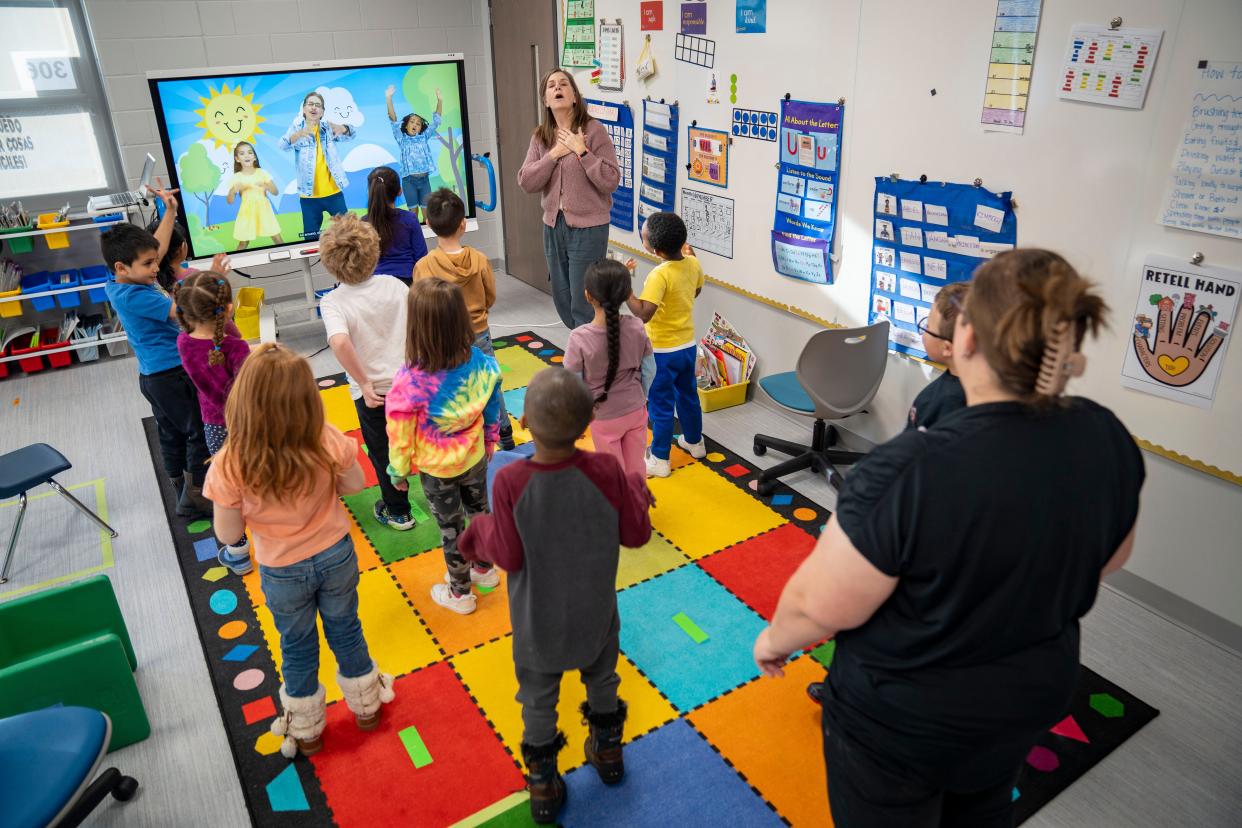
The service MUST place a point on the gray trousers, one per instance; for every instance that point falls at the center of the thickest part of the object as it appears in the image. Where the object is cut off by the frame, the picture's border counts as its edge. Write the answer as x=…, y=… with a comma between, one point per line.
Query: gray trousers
x=539, y=692
x=570, y=251
x=451, y=500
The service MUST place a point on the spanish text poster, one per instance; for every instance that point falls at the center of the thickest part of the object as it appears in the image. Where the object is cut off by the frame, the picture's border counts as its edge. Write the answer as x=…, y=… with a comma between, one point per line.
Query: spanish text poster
x=752, y=16
x=926, y=235
x=619, y=121
x=1205, y=190
x=579, y=36
x=1009, y=65
x=801, y=258
x=1180, y=331
x=651, y=15
x=1109, y=66
x=709, y=156
x=694, y=18
x=810, y=148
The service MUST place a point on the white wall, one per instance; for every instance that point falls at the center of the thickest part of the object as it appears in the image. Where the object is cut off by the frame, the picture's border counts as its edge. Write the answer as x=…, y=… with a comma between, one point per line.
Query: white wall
x=133, y=37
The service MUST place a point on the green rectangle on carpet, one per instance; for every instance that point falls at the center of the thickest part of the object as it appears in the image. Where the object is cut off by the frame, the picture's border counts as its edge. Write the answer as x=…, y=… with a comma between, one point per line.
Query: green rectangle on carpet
x=414, y=746
x=690, y=628
x=390, y=544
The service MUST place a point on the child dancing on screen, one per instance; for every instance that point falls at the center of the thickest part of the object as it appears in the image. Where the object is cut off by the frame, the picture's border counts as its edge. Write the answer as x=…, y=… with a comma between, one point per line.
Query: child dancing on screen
x=255, y=216
x=418, y=161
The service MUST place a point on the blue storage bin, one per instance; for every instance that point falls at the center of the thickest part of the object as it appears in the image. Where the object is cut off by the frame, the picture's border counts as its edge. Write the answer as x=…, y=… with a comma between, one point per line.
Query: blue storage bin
x=65, y=279
x=34, y=284
x=95, y=275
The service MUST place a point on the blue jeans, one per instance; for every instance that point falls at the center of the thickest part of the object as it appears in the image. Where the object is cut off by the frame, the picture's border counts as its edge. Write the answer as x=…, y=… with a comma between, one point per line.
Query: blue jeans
x=570, y=251
x=673, y=391
x=483, y=341
x=325, y=584
x=313, y=210
x=416, y=189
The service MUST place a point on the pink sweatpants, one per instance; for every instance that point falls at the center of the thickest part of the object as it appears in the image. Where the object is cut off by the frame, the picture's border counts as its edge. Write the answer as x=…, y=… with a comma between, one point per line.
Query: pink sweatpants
x=625, y=438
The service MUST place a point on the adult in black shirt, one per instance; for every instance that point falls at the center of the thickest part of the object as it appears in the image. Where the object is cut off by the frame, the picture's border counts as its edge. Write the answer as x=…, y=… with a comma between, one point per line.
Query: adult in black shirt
x=960, y=561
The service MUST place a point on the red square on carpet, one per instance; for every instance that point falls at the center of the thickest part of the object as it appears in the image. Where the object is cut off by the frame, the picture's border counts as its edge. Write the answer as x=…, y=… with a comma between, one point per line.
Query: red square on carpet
x=370, y=778
x=756, y=570
x=736, y=470
x=522, y=338
x=364, y=460
x=258, y=710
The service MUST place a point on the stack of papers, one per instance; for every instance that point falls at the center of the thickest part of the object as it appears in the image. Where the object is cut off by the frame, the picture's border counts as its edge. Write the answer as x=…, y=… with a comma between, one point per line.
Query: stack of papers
x=724, y=356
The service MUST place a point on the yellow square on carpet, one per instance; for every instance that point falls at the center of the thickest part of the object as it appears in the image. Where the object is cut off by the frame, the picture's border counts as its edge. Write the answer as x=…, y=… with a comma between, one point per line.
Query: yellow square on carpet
x=488, y=674
x=760, y=726
x=455, y=632
x=517, y=366
x=701, y=512
x=397, y=641
x=652, y=558
x=338, y=407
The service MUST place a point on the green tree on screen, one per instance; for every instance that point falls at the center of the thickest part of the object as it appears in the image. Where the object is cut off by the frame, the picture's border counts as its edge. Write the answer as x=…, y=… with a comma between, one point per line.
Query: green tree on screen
x=199, y=176
x=419, y=87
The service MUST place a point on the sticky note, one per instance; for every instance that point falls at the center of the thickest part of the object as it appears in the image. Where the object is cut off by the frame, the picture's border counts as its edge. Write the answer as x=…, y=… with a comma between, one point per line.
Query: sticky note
x=911, y=210
x=935, y=268
x=903, y=312
x=419, y=755
x=989, y=218
x=911, y=263
x=912, y=237
x=690, y=628
x=937, y=214
x=911, y=290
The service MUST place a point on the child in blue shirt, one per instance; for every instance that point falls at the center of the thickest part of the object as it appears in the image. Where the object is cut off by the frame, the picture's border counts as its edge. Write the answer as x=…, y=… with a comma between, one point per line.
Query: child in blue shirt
x=149, y=318
x=418, y=160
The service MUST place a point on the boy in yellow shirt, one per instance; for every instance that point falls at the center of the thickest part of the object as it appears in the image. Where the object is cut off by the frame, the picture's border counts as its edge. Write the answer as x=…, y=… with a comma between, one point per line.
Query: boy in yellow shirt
x=667, y=306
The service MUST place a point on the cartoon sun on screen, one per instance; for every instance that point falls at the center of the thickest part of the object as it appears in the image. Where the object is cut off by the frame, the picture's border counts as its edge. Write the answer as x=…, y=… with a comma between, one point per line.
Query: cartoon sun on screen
x=228, y=116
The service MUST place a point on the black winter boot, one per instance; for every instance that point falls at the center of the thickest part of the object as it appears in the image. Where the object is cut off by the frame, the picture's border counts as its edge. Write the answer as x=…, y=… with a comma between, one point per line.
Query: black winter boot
x=547, y=788
x=603, y=744
x=191, y=502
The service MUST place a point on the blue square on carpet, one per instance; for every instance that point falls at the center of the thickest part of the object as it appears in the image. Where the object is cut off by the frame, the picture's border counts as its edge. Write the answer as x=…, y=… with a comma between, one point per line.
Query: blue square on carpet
x=515, y=402
x=660, y=622
x=500, y=459
x=653, y=790
x=782, y=500
x=206, y=548
x=240, y=652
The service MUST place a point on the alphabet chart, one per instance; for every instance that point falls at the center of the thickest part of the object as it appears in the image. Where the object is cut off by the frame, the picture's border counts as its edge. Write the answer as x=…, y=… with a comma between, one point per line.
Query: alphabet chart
x=806, y=195
x=709, y=222
x=619, y=121
x=927, y=235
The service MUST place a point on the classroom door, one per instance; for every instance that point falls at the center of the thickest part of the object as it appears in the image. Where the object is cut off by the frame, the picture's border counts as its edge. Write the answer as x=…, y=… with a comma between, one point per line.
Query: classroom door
x=523, y=48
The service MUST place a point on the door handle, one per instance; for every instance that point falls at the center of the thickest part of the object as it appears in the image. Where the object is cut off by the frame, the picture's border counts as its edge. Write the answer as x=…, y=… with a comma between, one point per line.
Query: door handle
x=534, y=53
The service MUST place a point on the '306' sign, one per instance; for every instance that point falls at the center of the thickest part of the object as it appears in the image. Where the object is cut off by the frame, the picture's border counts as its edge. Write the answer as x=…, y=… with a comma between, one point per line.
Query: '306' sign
x=47, y=74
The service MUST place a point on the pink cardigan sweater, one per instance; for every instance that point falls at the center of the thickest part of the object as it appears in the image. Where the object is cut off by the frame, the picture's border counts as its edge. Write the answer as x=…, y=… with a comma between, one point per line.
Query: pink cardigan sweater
x=579, y=187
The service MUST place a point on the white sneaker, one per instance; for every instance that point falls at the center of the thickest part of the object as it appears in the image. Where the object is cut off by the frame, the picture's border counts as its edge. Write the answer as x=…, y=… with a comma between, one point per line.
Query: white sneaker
x=696, y=450
x=443, y=595
x=479, y=577
x=657, y=467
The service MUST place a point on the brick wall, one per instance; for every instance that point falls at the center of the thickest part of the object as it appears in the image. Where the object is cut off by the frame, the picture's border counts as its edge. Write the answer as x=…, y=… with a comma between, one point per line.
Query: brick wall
x=134, y=36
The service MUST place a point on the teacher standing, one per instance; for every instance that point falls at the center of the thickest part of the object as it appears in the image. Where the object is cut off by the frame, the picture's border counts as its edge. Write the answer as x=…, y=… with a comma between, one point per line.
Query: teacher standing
x=959, y=562
x=572, y=164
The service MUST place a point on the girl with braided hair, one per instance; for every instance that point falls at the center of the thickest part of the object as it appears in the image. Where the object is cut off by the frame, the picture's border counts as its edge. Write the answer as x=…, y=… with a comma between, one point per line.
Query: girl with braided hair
x=211, y=354
x=614, y=357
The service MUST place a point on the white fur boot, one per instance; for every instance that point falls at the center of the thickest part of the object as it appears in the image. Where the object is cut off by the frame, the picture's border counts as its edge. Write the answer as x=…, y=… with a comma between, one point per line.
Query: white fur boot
x=365, y=694
x=301, y=724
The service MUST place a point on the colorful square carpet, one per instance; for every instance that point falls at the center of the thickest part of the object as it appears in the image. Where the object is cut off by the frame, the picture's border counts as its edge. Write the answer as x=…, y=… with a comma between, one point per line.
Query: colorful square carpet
x=710, y=743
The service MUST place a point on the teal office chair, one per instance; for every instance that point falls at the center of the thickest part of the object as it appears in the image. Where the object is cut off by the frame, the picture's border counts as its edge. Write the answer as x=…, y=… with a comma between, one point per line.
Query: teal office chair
x=838, y=373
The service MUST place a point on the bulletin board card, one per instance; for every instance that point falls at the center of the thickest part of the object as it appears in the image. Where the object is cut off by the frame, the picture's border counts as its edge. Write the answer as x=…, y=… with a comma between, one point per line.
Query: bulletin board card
x=578, y=34
x=618, y=120
x=806, y=200
x=709, y=156
x=658, y=190
x=925, y=236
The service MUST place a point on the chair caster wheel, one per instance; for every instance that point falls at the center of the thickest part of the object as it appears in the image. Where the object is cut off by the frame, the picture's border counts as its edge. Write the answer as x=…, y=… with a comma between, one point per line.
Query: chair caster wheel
x=765, y=487
x=760, y=450
x=125, y=789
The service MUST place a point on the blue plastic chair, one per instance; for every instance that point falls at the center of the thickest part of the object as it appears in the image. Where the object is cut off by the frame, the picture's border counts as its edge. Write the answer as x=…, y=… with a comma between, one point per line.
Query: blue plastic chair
x=48, y=759
x=21, y=471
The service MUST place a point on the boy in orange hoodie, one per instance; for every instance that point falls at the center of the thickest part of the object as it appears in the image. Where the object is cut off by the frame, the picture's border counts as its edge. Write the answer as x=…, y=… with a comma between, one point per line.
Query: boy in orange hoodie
x=467, y=268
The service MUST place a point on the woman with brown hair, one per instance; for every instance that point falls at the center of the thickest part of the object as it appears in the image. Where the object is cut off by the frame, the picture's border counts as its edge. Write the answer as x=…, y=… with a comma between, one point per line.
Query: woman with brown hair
x=572, y=164
x=959, y=562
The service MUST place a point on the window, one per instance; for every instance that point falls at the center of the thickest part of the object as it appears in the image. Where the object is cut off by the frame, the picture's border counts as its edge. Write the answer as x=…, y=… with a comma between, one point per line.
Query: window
x=57, y=144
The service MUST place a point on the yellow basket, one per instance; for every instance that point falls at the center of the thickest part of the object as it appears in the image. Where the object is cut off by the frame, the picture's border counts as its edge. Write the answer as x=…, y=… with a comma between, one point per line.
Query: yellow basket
x=55, y=241
x=714, y=399
x=246, y=311
x=10, y=308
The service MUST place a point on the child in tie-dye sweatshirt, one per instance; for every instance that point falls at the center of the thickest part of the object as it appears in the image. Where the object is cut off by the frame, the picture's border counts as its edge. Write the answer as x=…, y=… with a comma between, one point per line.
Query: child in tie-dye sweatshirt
x=443, y=423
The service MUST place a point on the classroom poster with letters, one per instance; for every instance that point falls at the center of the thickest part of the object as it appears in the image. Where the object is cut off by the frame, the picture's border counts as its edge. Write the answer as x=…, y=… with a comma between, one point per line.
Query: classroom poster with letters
x=806, y=189
x=1180, y=330
x=1205, y=189
x=709, y=222
x=1008, y=85
x=925, y=236
x=618, y=119
x=752, y=16
x=611, y=56
x=657, y=191
x=709, y=156
x=1109, y=66
x=579, y=33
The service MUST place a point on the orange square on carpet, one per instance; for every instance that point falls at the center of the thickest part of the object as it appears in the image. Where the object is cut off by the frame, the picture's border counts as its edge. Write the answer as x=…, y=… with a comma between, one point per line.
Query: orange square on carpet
x=756, y=570
x=454, y=632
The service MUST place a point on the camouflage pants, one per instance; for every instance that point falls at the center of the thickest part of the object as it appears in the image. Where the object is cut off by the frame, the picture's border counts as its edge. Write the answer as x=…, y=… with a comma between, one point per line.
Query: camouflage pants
x=452, y=499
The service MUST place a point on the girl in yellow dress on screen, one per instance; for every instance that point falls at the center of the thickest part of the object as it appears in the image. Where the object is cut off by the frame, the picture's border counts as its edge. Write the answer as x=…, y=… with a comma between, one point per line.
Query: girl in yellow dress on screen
x=255, y=216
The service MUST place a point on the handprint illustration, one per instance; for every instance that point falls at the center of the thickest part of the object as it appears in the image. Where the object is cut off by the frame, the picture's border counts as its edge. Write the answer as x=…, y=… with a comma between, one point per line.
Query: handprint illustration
x=1183, y=348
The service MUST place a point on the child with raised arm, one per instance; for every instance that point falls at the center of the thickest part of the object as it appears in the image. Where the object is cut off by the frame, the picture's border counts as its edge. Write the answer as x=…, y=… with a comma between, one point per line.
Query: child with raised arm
x=613, y=355
x=418, y=158
x=557, y=525
x=255, y=216
x=364, y=319
x=467, y=268
x=667, y=306
x=148, y=315
x=443, y=411
x=280, y=474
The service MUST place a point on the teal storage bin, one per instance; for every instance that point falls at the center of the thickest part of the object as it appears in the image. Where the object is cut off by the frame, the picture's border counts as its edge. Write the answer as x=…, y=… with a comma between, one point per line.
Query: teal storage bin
x=65, y=279
x=95, y=275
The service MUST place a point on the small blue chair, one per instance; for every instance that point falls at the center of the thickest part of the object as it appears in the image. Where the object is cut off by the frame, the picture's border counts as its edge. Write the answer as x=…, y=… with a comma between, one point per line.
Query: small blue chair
x=21, y=471
x=48, y=759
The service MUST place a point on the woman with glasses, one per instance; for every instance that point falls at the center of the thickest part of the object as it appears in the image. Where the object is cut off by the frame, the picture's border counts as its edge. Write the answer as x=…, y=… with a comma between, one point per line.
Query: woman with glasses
x=959, y=562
